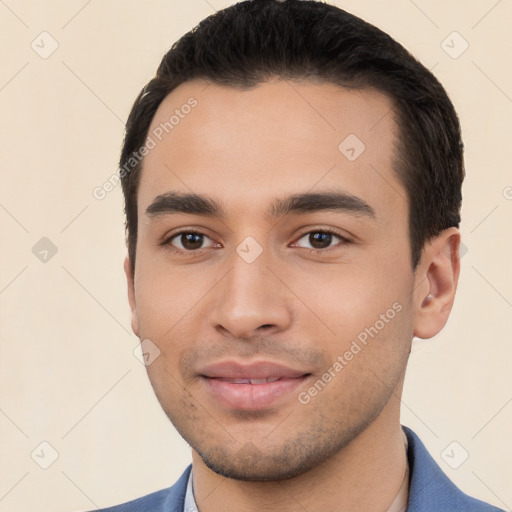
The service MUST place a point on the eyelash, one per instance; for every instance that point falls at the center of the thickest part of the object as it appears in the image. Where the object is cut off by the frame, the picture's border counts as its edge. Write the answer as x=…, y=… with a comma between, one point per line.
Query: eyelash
x=167, y=242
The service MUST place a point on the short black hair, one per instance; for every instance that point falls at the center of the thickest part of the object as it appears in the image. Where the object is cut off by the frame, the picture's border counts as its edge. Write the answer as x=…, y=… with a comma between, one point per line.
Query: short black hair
x=252, y=42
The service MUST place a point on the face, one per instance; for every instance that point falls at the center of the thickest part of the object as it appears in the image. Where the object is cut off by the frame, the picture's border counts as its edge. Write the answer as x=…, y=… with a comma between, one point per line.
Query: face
x=273, y=271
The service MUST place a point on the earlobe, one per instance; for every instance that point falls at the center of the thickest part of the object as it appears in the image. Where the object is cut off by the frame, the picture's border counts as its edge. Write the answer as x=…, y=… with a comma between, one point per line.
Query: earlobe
x=131, y=295
x=436, y=281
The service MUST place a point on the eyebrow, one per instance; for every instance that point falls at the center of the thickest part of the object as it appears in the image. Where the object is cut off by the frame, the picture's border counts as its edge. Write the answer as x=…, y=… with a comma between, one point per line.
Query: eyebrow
x=309, y=202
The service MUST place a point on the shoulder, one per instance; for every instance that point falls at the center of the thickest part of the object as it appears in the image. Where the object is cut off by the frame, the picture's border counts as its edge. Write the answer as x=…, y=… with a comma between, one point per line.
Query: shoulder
x=430, y=489
x=170, y=499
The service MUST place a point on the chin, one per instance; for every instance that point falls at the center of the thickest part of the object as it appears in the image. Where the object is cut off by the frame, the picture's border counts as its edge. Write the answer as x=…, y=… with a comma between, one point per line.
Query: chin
x=277, y=463
x=249, y=470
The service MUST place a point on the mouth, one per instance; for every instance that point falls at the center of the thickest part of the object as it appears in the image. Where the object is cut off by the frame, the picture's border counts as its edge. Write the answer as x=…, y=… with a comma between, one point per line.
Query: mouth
x=251, y=387
x=248, y=381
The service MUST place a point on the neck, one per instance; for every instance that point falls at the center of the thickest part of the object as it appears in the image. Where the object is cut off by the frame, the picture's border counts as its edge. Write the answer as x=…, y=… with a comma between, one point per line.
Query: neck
x=365, y=475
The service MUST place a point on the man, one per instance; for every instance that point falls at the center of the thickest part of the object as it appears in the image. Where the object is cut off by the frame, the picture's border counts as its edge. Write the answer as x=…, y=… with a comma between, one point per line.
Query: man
x=292, y=179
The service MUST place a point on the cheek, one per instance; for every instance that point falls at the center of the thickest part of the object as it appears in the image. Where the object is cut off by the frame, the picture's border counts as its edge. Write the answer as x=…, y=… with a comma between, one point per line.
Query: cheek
x=349, y=299
x=367, y=357
x=369, y=315
x=167, y=299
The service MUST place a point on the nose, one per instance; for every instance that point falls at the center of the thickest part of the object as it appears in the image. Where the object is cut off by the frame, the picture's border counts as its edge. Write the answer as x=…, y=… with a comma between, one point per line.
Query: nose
x=250, y=301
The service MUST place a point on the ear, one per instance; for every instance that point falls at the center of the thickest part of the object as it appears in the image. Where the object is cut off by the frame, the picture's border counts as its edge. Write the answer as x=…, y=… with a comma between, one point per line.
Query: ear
x=131, y=294
x=436, y=279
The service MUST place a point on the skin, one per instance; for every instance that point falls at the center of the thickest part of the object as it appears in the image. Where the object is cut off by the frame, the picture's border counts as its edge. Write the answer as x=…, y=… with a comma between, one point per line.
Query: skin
x=343, y=450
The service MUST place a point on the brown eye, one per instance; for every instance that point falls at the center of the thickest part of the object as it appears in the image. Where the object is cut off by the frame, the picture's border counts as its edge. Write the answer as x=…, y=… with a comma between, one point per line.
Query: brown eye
x=188, y=241
x=318, y=240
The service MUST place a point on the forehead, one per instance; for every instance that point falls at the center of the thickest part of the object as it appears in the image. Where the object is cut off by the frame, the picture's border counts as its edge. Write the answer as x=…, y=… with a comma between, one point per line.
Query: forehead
x=282, y=137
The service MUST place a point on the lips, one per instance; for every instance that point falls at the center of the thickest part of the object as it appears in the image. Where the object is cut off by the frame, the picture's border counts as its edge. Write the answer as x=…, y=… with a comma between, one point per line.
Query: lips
x=254, y=370
x=255, y=386
x=248, y=381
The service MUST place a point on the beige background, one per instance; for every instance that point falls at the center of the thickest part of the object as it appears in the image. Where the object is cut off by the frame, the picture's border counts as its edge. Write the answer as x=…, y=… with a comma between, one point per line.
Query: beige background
x=69, y=376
